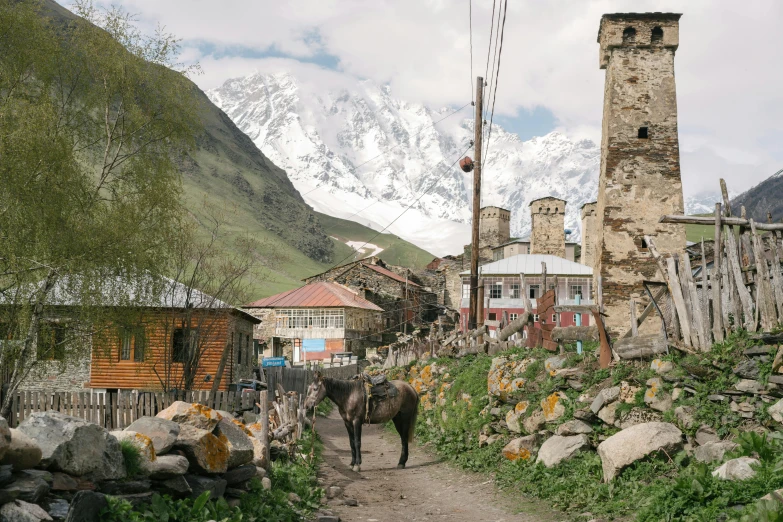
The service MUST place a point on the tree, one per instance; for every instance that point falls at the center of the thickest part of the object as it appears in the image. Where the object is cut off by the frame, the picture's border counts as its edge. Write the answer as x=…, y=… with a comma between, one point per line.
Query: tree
x=215, y=272
x=92, y=122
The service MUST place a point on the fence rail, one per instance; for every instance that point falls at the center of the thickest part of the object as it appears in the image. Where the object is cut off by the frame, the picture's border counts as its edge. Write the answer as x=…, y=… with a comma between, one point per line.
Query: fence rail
x=119, y=409
x=298, y=379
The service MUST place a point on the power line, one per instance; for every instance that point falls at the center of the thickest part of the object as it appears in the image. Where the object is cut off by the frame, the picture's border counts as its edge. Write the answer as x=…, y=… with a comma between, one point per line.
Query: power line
x=409, y=206
x=494, y=57
x=354, y=169
x=497, y=75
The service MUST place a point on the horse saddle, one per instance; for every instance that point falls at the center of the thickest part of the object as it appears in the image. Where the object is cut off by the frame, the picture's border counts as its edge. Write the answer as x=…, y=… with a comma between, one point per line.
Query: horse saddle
x=378, y=387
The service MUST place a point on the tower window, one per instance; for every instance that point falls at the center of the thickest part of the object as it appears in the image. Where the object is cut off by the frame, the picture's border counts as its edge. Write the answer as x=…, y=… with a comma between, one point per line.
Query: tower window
x=629, y=35
x=657, y=35
x=643, y=243
x=643, y=133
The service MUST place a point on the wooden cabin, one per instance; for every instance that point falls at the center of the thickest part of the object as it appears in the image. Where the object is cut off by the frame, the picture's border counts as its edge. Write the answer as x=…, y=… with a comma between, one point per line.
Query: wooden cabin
x=148, y=353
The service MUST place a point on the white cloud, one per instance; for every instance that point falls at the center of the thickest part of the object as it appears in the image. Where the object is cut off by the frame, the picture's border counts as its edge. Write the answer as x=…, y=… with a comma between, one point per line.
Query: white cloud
x=729, y=98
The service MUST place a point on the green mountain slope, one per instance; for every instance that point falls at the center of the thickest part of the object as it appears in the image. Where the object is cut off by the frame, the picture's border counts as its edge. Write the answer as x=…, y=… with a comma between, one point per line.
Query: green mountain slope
x=229, y=172
x=396, y=251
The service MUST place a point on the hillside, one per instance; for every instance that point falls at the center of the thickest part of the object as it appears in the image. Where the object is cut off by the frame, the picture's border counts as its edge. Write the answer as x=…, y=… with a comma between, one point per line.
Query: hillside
x=229, y=172
x=765, y=197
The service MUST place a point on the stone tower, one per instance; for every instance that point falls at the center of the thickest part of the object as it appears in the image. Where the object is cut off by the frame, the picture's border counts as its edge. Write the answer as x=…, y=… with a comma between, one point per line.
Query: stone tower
x=589, y=232
x=640, y=158
x=547, y=217
x=494, y=227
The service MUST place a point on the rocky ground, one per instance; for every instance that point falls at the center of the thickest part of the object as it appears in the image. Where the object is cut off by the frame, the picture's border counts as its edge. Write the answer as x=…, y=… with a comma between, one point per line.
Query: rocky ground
x=429, y=489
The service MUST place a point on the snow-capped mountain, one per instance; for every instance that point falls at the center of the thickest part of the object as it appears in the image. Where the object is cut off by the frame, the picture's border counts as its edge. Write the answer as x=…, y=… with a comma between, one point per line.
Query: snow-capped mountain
x=354, y=151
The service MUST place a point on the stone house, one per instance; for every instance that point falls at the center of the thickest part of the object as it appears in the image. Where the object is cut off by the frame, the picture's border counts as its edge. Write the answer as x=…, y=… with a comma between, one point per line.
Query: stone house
x=401, y=294
x=315, y=321
x=143, y=346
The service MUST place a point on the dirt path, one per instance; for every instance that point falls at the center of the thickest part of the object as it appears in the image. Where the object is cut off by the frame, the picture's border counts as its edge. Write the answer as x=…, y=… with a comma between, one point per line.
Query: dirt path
x=427, y=490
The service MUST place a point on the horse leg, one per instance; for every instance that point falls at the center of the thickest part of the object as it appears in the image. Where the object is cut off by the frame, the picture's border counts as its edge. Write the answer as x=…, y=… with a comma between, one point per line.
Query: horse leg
x=357, y=434
x=349, y=427
x=401, y=426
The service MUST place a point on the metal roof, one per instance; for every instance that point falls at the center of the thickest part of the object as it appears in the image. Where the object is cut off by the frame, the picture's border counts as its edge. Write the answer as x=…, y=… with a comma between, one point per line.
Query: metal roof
x=316, y=295
x=530, y=264
x=389, y=273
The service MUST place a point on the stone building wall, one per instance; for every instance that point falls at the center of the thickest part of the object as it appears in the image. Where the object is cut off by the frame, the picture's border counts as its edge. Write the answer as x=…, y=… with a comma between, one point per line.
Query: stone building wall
x=71, y=375
x=494, y=228
x=589, y=233
x=547, y=235
x=640, y=163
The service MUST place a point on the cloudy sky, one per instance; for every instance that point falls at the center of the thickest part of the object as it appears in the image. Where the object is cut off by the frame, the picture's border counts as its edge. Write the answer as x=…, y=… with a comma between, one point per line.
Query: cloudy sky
x=729, y=78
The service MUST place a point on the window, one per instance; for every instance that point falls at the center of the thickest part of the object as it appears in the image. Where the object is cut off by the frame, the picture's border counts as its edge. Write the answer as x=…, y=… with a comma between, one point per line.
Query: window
x=132, y=340
x=239, y=349
x=629, y=35
x=554, y=318
x=514, y=290
x=643, y=133
x=643, y=243
x=247, y=347
x=310, y=318
x=657, y=35
x=51, y=342
x=496, y=290
x=492, y=316
x=465, y=291
x=180, y=346
x=575, y=290
x=535, y=318
x=534, y=291
x=512, y=317
x=497, y=255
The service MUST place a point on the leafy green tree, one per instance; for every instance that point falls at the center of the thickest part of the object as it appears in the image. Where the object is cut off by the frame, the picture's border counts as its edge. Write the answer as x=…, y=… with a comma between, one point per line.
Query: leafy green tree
x=92, y=123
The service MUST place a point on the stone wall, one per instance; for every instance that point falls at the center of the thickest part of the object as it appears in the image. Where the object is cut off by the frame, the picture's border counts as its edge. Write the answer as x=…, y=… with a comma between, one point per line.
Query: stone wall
x=71, y=375
x=548, y=227
x=589, y=233
x=640, y=163
x=494, y=227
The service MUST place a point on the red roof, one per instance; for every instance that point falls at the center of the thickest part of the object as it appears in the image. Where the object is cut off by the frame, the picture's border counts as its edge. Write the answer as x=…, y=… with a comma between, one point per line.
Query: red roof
x=389, y=273
x=316, y=295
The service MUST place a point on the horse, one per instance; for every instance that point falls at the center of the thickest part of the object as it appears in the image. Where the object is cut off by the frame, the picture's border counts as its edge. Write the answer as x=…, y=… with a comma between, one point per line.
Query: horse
x=350, y=398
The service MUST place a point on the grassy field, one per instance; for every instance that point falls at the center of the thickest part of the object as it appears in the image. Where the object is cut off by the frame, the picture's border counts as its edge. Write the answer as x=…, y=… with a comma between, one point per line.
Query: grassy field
x=696, y=232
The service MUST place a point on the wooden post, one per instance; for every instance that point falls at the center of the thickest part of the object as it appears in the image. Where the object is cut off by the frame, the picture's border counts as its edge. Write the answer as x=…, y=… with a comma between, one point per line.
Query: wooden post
x=675, y=289
x=738, y=282
x=544, y=288
x=725, y=192
x=717, y=305
x=763, y=288
x=478, y=126
x=480, y=310
x=634, y=324
x=686, y=275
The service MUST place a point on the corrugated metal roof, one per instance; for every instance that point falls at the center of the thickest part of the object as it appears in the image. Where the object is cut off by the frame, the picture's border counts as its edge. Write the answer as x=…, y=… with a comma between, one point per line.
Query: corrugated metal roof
x=389, y=273
x=530, y=264
x=316, y=295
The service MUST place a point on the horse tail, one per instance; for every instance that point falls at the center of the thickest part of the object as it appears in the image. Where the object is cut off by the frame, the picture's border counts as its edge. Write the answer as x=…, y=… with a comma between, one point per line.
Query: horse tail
x=412, y=426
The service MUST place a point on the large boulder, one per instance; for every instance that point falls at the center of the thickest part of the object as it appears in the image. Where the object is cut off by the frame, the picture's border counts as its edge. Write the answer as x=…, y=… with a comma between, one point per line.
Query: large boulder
x=240, y=474
x=558, y=448
x=205, y=452
x=22, y=453
x=196, y=415
x=629, y=445
x=553, y=406
x=237, y=440
x=535, y=422
x=86, y=506
x=28, y=486
x=168, y=466
x=75, y=446
x=142, y=443
x=5, y=436
x=521, y=448
x=737, y=469
x=714, y=451
x=162, y=432
x=21, y=511
x=198, y=485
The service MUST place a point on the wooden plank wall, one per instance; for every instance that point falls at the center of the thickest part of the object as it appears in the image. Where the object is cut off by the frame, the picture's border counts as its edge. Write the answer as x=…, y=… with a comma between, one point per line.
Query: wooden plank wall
x=298, y=379
x=116, y=411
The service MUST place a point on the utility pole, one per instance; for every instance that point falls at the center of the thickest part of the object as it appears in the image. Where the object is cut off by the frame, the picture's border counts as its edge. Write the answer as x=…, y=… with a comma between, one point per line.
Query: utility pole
x=474, y=250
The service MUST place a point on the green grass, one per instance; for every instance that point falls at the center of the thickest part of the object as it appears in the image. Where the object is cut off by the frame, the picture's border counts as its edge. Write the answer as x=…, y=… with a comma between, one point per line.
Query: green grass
x=132, y=457
x=696, y=232
x=396, y=251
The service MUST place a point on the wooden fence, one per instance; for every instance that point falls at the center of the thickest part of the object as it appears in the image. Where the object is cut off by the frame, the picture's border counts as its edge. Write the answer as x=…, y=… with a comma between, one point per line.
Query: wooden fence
x=118, y=410
x=298, y=379
x=741, y=288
